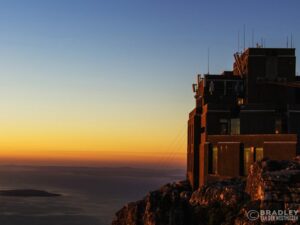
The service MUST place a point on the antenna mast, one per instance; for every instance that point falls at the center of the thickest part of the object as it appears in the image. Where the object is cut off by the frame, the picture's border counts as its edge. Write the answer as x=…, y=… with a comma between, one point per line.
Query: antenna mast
x=208, y=61
x=238, y=49
x=252, y=38
x=244, y=36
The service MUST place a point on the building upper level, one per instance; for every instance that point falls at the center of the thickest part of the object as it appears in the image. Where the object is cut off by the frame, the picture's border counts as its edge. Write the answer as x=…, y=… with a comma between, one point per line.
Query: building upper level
x=269, y=64
x=219, y=89
x=259, y=76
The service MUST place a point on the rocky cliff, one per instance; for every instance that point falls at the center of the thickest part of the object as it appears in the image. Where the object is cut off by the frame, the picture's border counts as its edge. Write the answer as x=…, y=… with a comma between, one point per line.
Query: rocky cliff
x=271, y=185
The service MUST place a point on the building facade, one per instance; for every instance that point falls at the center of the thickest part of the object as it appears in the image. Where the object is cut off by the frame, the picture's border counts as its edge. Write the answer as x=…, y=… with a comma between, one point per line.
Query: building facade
x=244, y=115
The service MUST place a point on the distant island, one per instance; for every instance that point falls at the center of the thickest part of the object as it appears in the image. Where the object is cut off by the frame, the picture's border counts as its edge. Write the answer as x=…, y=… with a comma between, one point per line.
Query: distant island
x=27, y=193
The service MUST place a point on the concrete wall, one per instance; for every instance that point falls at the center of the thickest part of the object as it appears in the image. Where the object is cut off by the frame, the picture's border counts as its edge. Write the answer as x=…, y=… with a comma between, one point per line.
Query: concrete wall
x=254, y=121
x=229, y=154
x=252, y=139
x=203, y=165
x=270, y=65
x=280, y=150
x=193, y=143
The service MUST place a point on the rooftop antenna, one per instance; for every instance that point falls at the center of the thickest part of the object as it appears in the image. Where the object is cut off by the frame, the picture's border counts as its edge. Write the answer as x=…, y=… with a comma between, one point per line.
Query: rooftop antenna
x=291, y=40
x=244, y=36
x=208, y=61
x=252, y=38
x=287, y=41
x=238, y=47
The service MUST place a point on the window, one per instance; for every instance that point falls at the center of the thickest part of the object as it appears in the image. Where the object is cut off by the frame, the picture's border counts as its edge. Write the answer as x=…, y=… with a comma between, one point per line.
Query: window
x=278, y=126
x=224, y=126
x=259, y=153
x=210, y=159
x=215, y=160
x=240, y=101
x=247, y=159
x=235, y=126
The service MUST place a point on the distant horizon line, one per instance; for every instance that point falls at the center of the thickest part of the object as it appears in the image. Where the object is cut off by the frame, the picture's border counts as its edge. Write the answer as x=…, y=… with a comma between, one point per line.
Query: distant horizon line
x=92, y=167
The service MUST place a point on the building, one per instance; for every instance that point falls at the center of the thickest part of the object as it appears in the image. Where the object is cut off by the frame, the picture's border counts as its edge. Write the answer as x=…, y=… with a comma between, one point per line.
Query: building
x=244, y=115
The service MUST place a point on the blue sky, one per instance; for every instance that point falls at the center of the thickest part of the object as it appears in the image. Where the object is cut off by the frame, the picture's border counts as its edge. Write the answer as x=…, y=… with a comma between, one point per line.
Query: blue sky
x=106, y=62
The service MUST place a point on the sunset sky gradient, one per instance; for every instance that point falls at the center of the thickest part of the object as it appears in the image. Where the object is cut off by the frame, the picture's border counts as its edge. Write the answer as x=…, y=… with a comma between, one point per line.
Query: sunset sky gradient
x=109, y=82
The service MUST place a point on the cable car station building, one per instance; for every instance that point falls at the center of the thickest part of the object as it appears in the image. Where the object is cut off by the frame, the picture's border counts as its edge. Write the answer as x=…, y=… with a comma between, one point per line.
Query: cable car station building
x=244, y=115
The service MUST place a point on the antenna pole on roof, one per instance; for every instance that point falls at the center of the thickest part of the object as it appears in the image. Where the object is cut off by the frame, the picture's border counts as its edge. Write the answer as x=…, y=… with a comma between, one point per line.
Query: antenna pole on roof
x=252, y=38
x=238, y=47
x=208, y=61
x=287, y=41
x=244, y=36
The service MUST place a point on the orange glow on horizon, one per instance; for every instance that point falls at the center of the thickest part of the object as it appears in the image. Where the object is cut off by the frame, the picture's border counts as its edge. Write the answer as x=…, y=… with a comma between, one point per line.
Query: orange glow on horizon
x=86, y=137
x=92, y=158
x=75, y=147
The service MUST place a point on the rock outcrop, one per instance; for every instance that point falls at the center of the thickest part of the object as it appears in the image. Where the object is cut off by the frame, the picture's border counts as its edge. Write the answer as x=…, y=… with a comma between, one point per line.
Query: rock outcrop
x=272, y=185
x=168, y=205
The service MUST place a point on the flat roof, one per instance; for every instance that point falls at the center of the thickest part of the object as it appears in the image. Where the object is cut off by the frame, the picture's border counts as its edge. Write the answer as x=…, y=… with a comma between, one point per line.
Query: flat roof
x=270, y=51
x=221, y=77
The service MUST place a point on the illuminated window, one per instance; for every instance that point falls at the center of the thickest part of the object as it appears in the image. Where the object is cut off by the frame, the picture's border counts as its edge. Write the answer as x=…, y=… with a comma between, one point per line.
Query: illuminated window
x=240, y=101
x=215, y=160
x=210, y=159
x=247, y=159
x=259, y=153
x=235, y=126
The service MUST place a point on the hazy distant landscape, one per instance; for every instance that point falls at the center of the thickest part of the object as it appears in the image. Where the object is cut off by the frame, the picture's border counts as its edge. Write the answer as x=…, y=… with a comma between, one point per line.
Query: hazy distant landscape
x=90, y=196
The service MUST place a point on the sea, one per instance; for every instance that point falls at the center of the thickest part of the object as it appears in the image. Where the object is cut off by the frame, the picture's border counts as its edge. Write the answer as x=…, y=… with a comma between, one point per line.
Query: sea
x=89, y=195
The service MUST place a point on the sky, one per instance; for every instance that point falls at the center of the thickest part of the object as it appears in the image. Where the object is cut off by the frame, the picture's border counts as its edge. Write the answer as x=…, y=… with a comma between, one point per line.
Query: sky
x=109, y=82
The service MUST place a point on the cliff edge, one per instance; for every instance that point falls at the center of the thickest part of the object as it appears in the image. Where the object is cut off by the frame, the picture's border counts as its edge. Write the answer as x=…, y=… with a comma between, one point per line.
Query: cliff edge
x=266, y=196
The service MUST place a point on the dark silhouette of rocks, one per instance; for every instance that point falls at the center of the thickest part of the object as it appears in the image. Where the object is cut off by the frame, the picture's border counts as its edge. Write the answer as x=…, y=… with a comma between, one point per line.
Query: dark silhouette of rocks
x=27, y=193
x=270, y=185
